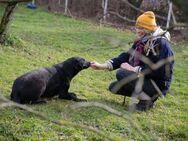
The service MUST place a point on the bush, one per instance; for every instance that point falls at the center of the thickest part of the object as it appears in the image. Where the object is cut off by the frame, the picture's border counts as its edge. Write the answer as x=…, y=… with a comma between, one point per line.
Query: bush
x=13, y=41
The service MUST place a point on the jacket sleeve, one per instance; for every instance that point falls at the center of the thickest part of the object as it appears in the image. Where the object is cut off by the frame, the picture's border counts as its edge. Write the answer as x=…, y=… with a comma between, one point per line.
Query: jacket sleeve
x=164, y=72
x=116, y=62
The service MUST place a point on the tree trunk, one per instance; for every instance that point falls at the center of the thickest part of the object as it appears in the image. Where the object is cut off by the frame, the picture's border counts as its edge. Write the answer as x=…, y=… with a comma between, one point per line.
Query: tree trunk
x=6, y=20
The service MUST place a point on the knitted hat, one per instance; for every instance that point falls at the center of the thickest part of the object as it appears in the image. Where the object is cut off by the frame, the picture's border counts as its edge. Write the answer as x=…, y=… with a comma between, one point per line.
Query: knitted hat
x=147, y=21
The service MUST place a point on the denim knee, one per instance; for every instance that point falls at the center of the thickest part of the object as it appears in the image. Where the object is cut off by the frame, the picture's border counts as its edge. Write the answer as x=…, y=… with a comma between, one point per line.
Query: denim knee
x=122, y=73
x=111, y=86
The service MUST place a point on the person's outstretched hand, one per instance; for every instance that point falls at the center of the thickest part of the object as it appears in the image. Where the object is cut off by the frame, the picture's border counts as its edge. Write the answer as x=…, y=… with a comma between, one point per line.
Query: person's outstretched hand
x=97, y=66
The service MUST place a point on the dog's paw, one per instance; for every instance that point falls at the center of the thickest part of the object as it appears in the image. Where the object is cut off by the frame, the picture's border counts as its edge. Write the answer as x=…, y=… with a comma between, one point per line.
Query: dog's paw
x=40, y=101
x=80, y=100
x=72, y=96
x=75, y=98
x=68, y=96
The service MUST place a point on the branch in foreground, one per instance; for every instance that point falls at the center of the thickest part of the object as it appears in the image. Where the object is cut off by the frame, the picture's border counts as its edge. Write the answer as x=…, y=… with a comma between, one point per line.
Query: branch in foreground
x=114, y=112
x=9, y=103
x=145, y=72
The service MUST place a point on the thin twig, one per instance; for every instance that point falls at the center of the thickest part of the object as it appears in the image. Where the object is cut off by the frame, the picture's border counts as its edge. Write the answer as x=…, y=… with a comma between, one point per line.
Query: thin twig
x=142, y=11
x=121, y=17
x=9, y=103
x=126, y=116
x=153, y=66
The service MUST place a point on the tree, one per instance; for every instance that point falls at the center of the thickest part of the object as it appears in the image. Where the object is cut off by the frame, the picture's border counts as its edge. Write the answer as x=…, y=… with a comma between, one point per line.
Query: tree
x=9, y=10
x=182, y=4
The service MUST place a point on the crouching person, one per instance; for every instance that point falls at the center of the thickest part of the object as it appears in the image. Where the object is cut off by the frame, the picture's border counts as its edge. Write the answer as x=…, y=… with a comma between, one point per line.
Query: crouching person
x=151, y=46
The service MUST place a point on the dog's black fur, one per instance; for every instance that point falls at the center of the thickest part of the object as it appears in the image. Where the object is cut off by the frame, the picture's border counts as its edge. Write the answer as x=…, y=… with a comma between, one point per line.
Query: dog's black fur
x=48, y=82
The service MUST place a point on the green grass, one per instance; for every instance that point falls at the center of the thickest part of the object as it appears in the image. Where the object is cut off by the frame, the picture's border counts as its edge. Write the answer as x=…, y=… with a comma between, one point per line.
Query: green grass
x=40, y=39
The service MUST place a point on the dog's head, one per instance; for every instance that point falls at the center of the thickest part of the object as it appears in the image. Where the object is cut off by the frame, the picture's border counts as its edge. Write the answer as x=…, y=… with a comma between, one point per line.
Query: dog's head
x=76, y=64
x=80, y=63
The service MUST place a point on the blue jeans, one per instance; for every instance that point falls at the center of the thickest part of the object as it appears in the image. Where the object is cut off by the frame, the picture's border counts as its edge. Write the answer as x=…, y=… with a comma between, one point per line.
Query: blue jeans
x=128, y=88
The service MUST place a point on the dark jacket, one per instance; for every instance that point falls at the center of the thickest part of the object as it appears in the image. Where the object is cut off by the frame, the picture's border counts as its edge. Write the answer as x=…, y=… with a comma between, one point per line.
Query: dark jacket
x=162, y=75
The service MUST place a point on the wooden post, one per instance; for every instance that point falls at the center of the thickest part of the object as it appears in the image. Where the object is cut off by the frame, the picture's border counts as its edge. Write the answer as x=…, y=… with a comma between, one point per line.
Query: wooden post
x=66, y=7
x=5, y=20
x=169, y=14
x=173, y=17
x=103, y=3
x=105, y=9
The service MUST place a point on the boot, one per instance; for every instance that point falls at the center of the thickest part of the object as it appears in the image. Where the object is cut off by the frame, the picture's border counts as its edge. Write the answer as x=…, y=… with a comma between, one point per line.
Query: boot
x=144, y=105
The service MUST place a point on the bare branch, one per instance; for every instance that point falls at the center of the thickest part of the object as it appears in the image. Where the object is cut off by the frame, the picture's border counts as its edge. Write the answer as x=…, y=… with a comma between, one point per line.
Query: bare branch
x=9, y=103
x=14, y=1
x=140, y=10
x=122, y=17
x=152, y=65
x=126, y=116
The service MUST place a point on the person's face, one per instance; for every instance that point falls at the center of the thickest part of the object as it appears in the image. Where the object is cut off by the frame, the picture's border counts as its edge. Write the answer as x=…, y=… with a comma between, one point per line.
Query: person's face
x=140, y=32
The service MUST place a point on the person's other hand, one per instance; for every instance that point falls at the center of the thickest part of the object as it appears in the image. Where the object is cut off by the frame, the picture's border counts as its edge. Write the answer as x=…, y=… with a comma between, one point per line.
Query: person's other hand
x=127, y=66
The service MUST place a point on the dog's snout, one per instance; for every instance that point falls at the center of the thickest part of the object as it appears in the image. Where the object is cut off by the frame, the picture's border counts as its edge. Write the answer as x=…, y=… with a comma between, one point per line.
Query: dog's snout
x=86, y=64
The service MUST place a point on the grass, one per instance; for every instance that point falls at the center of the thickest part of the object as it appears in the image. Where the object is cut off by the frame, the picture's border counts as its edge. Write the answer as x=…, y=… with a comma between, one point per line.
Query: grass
x=40, y=39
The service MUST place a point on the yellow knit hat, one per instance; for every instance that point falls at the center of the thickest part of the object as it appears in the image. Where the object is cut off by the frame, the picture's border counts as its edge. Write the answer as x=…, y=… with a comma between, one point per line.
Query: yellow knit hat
x=147, y=21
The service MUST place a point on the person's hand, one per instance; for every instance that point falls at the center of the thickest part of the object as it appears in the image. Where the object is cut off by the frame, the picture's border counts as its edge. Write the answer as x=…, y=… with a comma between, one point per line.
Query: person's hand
x=97, y=66
x=128, y=67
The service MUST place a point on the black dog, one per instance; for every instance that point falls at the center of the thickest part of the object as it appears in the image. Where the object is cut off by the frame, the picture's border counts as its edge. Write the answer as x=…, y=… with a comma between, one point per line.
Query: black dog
x=48, y=82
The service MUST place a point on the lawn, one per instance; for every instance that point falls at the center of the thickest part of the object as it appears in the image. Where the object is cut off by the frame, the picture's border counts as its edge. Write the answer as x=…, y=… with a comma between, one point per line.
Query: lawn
x=40, y=39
